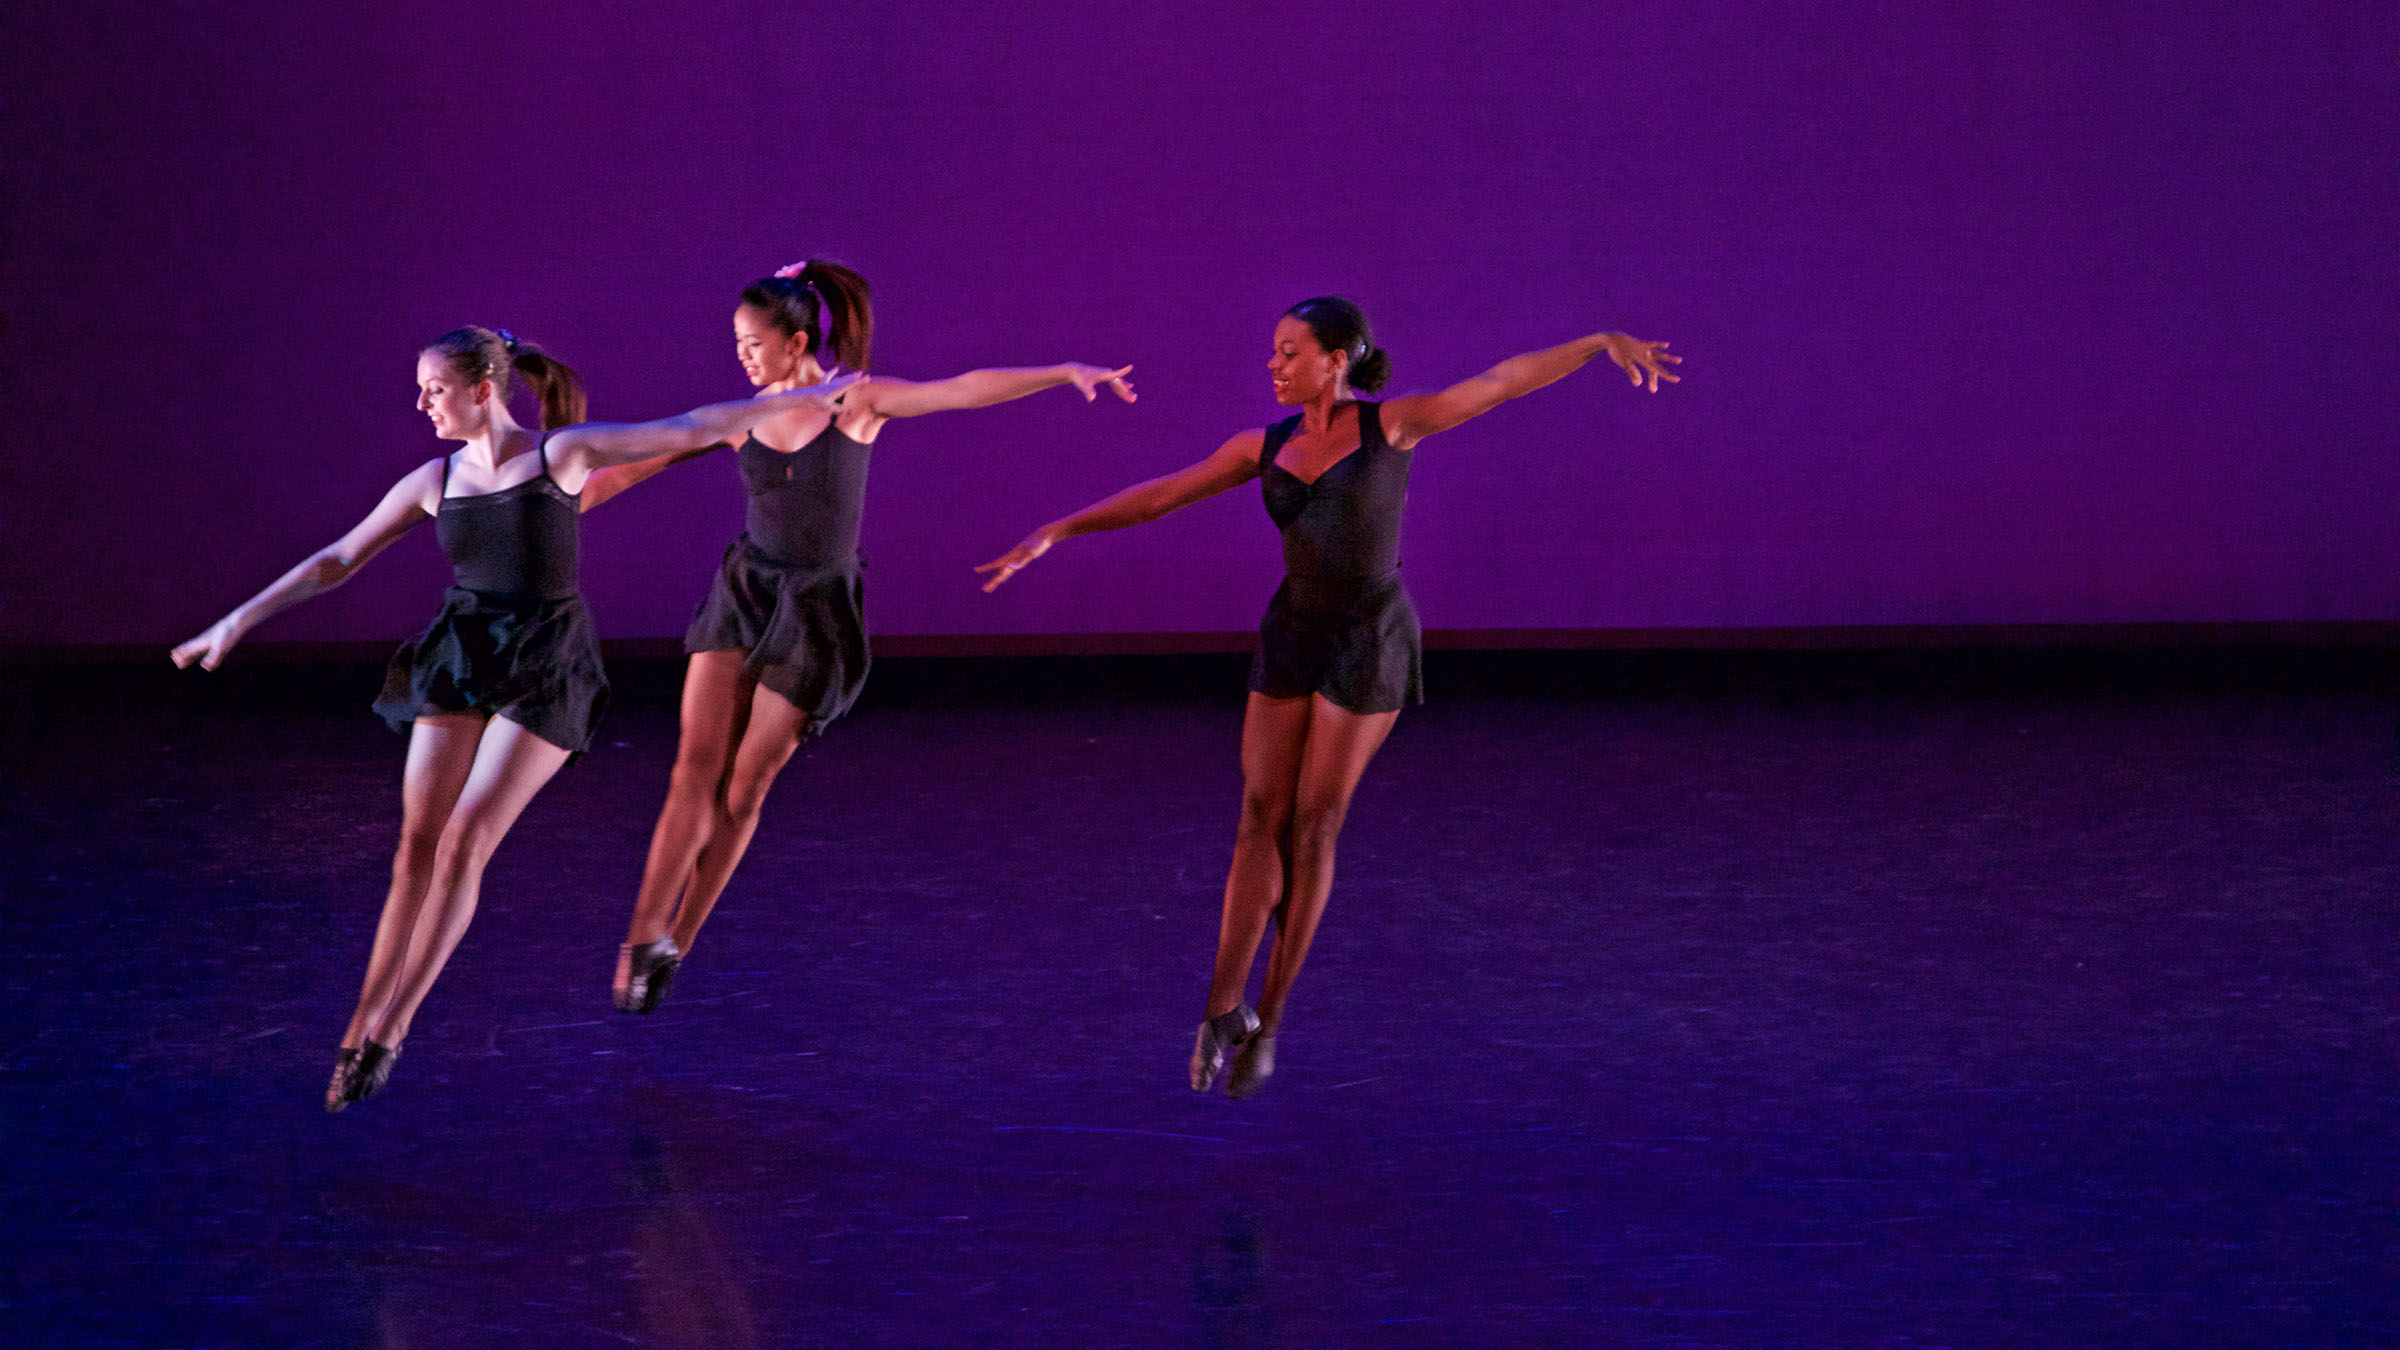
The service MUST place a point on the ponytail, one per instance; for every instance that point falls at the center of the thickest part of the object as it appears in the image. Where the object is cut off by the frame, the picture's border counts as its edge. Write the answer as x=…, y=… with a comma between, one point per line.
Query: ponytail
x=554, y=382
x=494, y=354
x=824, y=302
x=849, y=311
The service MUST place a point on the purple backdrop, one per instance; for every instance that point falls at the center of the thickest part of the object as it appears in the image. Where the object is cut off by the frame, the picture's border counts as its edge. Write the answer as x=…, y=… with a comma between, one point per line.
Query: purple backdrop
x=1996, y=312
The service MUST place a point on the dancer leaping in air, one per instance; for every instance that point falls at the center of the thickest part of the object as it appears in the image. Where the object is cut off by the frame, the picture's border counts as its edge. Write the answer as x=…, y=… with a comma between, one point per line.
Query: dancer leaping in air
x=1339, y=651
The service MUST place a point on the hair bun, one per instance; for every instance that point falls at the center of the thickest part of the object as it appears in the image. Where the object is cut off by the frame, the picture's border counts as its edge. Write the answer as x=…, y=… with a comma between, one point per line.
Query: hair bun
x=1372, y=370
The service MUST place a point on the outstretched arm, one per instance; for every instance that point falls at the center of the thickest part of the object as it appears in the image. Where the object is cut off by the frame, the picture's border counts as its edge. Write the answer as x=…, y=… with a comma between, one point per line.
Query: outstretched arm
x=608, y=482
x=1407, y=421
x=581, y=450
x=1234, y=463
x=412, y=499
x=983, y=388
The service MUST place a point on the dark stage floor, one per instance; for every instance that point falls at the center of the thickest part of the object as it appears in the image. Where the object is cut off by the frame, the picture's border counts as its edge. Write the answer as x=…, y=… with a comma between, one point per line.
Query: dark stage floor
x=1850, y=1012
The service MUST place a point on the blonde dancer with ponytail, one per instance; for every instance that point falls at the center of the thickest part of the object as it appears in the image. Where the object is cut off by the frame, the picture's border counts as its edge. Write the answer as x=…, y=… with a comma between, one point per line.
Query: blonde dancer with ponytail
x=505, y=686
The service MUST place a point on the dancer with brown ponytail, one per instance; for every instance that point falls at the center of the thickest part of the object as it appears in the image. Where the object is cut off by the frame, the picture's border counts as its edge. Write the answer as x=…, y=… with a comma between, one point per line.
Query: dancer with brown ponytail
x=779, y=648
x=505, y=686
x=1338, y=652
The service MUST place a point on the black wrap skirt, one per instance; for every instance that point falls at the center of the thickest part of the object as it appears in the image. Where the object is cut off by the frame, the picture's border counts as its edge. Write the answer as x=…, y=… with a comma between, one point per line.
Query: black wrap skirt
x=1357, y=644
x=804, y=626
x=535, y=662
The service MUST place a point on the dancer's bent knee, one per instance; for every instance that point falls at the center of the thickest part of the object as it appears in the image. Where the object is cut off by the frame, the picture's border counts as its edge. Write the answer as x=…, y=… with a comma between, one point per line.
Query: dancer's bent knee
x=743, y=801
x=1265, y=816
x=1315, y=830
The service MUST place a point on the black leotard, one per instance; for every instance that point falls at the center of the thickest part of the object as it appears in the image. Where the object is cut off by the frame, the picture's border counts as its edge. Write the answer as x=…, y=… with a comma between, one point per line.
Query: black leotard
x=1341, y=624
x=791, y=591
x=513, y=638
x=804, y=506
x=519, y=541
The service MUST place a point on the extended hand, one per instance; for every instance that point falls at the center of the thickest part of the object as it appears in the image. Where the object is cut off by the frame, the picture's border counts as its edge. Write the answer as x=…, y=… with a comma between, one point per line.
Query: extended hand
x=1637, y=358
x=1008, y=564
x=1088, y=379
x=209, y=648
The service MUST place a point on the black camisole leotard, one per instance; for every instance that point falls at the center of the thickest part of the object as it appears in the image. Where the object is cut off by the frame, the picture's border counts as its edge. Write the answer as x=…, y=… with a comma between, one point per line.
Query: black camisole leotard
x=791, y=591
x=1341, y=624
x=513, y=638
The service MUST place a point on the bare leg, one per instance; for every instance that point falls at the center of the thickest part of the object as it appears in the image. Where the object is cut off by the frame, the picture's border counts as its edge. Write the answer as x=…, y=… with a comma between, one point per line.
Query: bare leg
x=1274, y=730
x=511, y=765
x=1338, y=747
x=441, y=752
x=716, y=708
x=770, y=735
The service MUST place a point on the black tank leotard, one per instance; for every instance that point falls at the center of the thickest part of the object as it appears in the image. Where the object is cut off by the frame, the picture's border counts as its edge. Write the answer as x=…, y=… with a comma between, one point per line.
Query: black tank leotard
x=791, y=591
x=1341, y=624
x=513, y=638
x=804, y=506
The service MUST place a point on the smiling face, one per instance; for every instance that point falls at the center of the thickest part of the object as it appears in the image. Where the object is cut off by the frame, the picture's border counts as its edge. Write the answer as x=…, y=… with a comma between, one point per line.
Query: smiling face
x=767, y=353
x=458, y=407
x=1300, y=367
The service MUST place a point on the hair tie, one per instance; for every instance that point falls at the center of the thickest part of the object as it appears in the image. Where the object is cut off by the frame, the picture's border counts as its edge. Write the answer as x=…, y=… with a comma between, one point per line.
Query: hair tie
x=507, y=338
x=792, y=272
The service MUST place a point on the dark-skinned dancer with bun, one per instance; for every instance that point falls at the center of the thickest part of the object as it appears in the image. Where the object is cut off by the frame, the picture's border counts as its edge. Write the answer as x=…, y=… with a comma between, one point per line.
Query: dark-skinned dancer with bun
x=1339, y=650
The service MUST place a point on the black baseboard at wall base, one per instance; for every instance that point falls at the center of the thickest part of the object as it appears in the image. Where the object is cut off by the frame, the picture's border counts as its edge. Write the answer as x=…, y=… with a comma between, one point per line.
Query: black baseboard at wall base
x=2349, y=658
x=1651, y=673
x=2333, y=635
